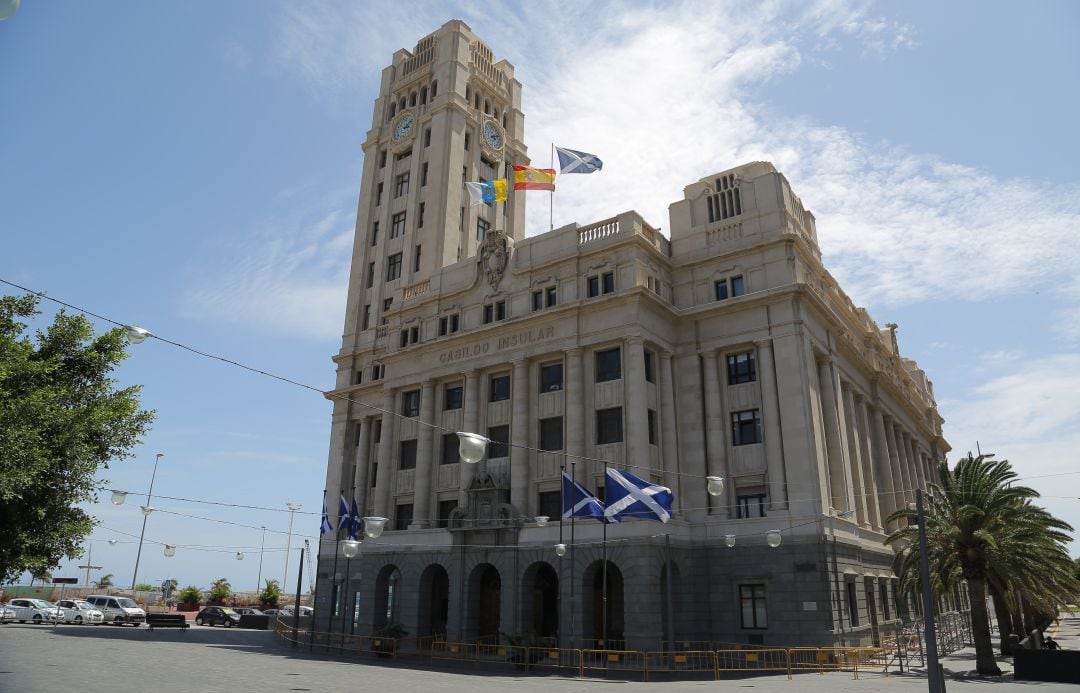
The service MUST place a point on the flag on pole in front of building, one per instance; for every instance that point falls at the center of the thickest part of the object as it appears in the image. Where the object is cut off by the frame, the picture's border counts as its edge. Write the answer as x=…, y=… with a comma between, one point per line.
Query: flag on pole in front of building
x=354, y=528
x=344, y=516
x=529, y=178
x=630, y=496
x=487, y=192
x=326, y=526
x=578, y=502
x=573, y=161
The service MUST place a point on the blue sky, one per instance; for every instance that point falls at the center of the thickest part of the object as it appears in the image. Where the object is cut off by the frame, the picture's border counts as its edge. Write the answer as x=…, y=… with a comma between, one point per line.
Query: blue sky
x=194, y=168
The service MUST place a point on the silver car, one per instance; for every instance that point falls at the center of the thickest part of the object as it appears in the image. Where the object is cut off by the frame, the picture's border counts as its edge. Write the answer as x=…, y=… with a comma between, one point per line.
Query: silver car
x=34, y=610
x=80, y=612
x=7, y=614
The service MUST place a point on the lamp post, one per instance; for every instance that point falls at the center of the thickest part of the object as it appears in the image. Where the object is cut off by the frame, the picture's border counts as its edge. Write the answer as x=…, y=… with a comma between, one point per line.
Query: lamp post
x=933, y=673
x=293, y=507
x=146, y=510
x=262, y=549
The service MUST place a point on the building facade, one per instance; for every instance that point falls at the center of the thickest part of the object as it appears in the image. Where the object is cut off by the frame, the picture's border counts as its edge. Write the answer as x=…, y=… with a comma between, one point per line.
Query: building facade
x=725, y=350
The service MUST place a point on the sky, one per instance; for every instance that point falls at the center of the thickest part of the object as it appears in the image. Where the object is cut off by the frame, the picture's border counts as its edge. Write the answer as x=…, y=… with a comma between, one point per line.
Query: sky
x=193, y=168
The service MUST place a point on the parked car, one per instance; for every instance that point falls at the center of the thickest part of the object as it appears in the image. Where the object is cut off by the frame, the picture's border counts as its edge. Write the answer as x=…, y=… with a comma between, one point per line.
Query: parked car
x=215, y=615
x=117, y=610
x=271, y=612
x=34, y=610
x=80, y=611
x=289, y=611
x=248, y=611
x=7, y=614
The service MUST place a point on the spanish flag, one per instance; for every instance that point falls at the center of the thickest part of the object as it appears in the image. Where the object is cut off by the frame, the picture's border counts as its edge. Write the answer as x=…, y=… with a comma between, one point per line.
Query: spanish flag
x=529, y=178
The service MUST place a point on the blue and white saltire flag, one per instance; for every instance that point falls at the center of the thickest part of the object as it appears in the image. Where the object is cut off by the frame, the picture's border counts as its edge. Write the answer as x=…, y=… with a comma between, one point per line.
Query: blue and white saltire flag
x=578, y=502
x=630, y=496
x=344, y=516
x=354, y=528
x=572, y=161
x=326, y=526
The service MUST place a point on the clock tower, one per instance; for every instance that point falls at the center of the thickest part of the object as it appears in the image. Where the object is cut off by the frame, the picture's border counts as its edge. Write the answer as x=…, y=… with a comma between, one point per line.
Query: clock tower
x=447, y=113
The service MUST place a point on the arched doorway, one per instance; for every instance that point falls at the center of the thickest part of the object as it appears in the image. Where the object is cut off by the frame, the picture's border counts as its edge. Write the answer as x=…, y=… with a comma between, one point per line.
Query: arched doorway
x=541, y=596
x=485, y=589
x=387, y=596
x=434, y=600
x=594, y=585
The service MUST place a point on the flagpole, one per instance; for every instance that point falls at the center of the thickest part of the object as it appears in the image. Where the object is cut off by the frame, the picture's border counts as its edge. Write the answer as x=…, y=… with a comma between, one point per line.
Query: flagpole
x=333, y=585
x=551, y=194
x=573, y=575
x=348, y=565
x=562, y=511
x=605, y=564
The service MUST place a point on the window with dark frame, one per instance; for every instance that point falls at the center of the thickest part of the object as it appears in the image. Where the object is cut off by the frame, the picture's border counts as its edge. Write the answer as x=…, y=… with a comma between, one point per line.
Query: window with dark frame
x=884, y=601
x=451, y=449
x=374, y=233
x=455, y=395
x=737, y=286
x=551, y=377
x=407, y=458
x=745, y=427
x=650, y=375
x=609, y=426
x=403, y=516
x=853, y=604
x=393, y=267
x=500, y=310
x=397, y=225
x=367, y=317
x=550, y=296
x=752, y=606
x=592, y=286
x=378, y=194
x=410, y=403
x=607, y=280
x=608, y=365
x=420, y=216
x=720, y=287
x=741, y=368
x=489, y=313
x=445, y=508
x=750, y=503
x=500, y=388
x=423, y=174
x=416, y=259
x=370, y=274
x=551, y=433
x=538, y=300
x=401, y=184
x=549, y=503
x=427, y=137
x=482, y=227
x=500, y=442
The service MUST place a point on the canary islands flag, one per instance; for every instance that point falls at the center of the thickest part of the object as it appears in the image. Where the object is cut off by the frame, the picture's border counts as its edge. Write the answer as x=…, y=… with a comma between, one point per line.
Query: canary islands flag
x=529, y=178
x=487, y=192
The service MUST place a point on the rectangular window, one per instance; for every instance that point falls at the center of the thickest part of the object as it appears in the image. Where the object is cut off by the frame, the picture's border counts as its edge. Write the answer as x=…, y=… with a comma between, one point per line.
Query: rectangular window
x=427, y=137
x=397, y=225
x=489, y=313
x=551, y=433
x=500, y=388
x=393, y=267
x=652, y=426
x=550, y=296
x=549, y=503
x=745, y=427
x=500, y=442
x=370, y=274
x=423, y=174
x=382, y=159
x=467, y=141
x=403, y=516
x=401, y=184
x=737, y=287
x=650, y=376
x=416, y=259
x=752, y=606
x=410, y=403
x=405, y=337
x=445, y=508
x=454, y=397
x=414, y=335
x=482, y=228
x=443, y=325
x=500, y=310
x=408, y=455
x=451, y=446
x=374, y=233
x=376, y=374
x=551, y=377
x=367, y=317
x=607, y=279
x=420, y=216
x=386, y=304
x=853, y=604
x=378, y=194
x=720, y=287
x=609, y=427
x=537, y=300
x=608, y=365
x=750, y=503
x=741, y=368
x=593, y=287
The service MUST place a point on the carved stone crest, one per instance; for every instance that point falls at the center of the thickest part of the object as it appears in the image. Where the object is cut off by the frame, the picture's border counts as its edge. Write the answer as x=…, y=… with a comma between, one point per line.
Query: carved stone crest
x=494, y=253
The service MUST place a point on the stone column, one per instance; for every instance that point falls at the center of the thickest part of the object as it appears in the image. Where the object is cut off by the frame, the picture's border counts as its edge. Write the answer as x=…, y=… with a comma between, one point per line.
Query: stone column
x=470, y=420
x=855, y=456
x=871, y=481
x=691, y=435
x=901, y=482
x=839, y=485
x=669, y=444
x=770, y=413
x=520, y=459
x=883, y=470
x=715, y=443
x=384, y=479
x=916, y=460
x=336, y=471
x=363, y=459
x=424, y=453
x=574, y=392
x=637, y=421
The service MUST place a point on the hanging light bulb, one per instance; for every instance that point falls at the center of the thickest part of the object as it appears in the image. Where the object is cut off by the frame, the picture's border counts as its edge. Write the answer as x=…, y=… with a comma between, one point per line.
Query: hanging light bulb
x=472, y=447
x=170, y=550
x=560, y=550
x=136, y=334
x=112, y=542
x=350, y=547
x=118, y=497
x=729, y=540
x=714, y=485
x=146, y=509
x=239, y=555
x=773, y=538
x=373, y=527
x=541, y=520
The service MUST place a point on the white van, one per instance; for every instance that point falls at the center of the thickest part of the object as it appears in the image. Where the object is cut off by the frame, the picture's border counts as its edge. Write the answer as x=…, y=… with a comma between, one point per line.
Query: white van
x=118, y=610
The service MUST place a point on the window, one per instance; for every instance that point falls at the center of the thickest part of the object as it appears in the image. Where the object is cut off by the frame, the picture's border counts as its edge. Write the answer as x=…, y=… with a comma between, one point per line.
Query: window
x=482, y=228
x=550, y=296
x=551, y=377
x=593, y=287
x=416, y=259
x=721, y=289
x=549, y=503
x=454, y=397
x=500, y=388
x=427, y=131
x=608, y=365
x=378, y=194
x=445, y=508
x=725, y=201
x=650, y=375
x=609, y=426
x=451, y=447
x=607, y=282
x=745, y=427
x=393, y=267
x=551, y=433
x=407, y=460
x=410, y=335
x=374, y=233
x=741, y=368
x=853, y=604
x=410, y=403
x=423, y=174
x=403, y=516
x=537, y=300
x=370, y=274
x=729, y=288
x=750, y=502
x=386, y=304
x=382, y=159
x=401, y=184
x=420, y=216
x=500, y=442
x=448, y=324
x=884, y=601
x=752, y=606
x=494, y=311
x=377, y=372
x=652, y=426
x=397, y=225
x=467, y=141
x=367, y=317
x=737, y=287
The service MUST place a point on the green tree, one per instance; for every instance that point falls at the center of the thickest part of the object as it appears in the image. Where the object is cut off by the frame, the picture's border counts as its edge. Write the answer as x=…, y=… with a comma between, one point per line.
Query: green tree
x=105, y=580
x=271, y=595
x=190, y=595
x=220, y=590
x=61, y=420
x=144, y=587
x=984, y=532
x=168, y=587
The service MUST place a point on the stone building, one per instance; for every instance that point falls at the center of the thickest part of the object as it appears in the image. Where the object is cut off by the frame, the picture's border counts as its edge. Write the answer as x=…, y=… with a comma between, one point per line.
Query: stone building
x=726, y=349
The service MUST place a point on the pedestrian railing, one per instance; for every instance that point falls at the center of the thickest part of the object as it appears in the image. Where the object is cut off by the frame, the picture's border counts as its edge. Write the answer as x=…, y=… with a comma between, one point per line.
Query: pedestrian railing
x=613, y=660
x=756, y=660
x=700, y=662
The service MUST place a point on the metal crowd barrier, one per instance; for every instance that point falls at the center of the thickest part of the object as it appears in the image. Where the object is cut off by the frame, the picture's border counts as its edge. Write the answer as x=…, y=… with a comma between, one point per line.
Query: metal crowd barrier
x=756, y=660
x=613, y=660
x=681, y=661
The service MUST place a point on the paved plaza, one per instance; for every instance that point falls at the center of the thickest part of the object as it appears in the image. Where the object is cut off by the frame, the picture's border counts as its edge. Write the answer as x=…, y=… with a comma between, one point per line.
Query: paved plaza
x=105, y=659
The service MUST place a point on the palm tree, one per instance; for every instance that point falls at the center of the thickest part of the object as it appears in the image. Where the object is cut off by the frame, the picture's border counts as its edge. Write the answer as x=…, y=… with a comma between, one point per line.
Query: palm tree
x=105, y=580
x=983, y=531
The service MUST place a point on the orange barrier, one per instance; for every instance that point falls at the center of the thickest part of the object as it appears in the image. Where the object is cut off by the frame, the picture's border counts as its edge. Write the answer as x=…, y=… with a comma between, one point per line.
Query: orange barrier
x=613, y=660
x=699, y=661
x=753, y=660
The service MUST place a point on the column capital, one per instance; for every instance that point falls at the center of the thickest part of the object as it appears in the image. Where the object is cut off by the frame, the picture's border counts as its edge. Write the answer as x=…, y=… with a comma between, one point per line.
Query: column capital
x=635, y=339
x=763, y=343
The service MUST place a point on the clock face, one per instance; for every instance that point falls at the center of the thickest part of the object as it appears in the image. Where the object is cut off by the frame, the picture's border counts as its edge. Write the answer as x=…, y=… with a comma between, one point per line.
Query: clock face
x=492, y=135
x=404, y=126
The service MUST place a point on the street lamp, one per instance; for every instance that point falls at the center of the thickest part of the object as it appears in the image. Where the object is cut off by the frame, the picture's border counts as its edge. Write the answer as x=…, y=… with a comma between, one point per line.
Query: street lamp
x=146, y=510
x=293, y=507
x=773, y=538
x=471, y=447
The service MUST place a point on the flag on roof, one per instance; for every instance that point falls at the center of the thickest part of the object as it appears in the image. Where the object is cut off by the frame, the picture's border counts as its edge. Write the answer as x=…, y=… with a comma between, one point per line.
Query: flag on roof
x=529, y=178
x=487, y=192
x=573, y=161
x=630, y=496
x=578, y=502
x=325, y=526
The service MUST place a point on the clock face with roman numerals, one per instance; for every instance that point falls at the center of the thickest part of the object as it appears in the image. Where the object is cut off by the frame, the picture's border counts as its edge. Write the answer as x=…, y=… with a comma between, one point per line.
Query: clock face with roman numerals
x=404, y=126
x=492, y=135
